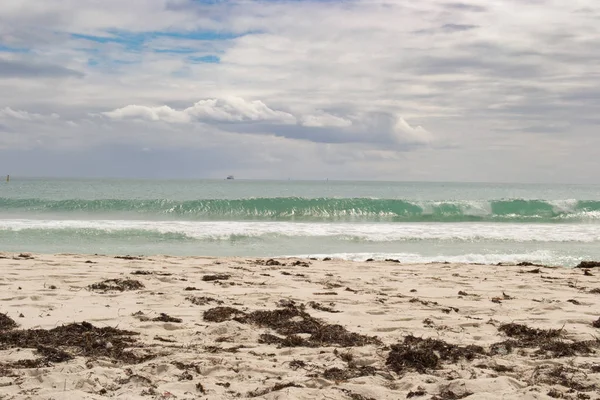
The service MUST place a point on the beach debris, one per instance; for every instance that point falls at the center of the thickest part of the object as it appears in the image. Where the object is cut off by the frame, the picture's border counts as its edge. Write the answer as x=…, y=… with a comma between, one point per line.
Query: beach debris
x=190, y=288
x=525, y=332
x=534, y=271
x=450, y=395
x=425, y=354
x=321, y=307
x=25, y=256
x=217, y=277
x=595, y=291
x=167, y=318
x=547, y=341
x=568, y=377
x=392, y=260
x=299, y=263
x=586, y=272
x=221, y=314
x=57, y=344
x=7, y=323
x=596, y=324
x=576, y=302
x=417, y=393
x=141, y=272
x=353, y=395
x=164, y=340
x=141, y=316
x=202, y=300
x=588, y=264
x=529, y=264
x=338, y=374
x=290, y=321
x=120, y=285
x=327, y=259
x=277, y=387
x=128, y=257
x=325, y=294
x=272, y=262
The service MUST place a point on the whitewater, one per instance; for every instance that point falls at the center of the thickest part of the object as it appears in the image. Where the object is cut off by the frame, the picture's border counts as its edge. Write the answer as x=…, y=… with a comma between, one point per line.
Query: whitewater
x=412, y=222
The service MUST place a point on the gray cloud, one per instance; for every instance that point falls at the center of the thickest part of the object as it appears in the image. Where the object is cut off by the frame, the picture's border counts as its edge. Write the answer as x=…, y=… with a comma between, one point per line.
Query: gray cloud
x=475, y=74
x=465, y=7
x=458, y=27
x=27, y=69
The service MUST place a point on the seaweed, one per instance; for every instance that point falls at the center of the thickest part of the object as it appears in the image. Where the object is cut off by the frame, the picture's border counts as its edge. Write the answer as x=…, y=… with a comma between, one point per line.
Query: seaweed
x=7, y=323
x=588, y=264
x=120, y=285
x=291, y=321
x=129, y=257
x=217, y=277
x=275, y=388
x=167, y=318
x=422, y=354
x=202, y=300
x=221, y=314
x=450, y=395
x=338, y=374
x=64, y=342
x=527, y=334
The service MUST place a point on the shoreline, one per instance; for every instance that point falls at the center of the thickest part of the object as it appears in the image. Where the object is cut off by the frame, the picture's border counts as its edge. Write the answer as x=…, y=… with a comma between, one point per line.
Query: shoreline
x=333, y=329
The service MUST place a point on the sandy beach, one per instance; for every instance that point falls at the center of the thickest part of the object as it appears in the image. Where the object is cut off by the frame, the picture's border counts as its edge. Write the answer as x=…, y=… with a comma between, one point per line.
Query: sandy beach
x=94, y=327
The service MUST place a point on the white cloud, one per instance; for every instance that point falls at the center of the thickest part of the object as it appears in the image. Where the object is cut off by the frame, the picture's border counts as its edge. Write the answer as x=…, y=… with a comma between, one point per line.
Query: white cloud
x=323, y=119
x=9, y=113
x=231, y=109
x=404, y=133
x=374, y=74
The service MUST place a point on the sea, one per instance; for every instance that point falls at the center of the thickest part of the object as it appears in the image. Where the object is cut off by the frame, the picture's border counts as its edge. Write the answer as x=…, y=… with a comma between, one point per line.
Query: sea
x=413, y=222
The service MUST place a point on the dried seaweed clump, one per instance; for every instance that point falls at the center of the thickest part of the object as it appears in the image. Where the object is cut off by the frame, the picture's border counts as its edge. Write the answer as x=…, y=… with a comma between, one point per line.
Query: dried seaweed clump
x=63, y=342
x=277, y=387
x=422, y=354
x=290, y=321
x=338, y=374
x=221, y=314
x=202, y=300
x=588, y=264
x=546, y=340
x=6, y=323
x=167, y=318
x=526, y=334
x=217, y=277
x=119, y=285
x=571, y=378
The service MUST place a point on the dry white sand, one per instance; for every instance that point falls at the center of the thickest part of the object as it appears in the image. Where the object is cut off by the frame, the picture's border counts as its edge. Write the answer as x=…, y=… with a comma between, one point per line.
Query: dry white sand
x=197, y=358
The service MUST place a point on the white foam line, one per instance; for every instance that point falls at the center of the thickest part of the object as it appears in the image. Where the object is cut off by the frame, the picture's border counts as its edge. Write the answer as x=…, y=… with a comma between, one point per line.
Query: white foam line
x=383, y=232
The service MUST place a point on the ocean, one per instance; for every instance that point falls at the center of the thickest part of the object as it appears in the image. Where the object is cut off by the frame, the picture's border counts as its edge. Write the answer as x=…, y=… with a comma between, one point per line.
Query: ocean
x=411, y=222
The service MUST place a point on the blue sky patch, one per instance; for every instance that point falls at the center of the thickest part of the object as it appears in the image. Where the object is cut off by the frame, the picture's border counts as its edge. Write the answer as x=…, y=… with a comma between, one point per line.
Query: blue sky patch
x=210, y=59
x=9, y=49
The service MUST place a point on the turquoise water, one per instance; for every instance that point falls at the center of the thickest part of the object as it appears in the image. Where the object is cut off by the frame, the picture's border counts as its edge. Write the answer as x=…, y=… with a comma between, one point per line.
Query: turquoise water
x=414, y=222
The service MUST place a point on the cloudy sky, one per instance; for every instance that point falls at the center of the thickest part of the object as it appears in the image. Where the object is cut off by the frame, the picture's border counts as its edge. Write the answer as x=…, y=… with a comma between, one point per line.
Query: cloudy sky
x=431, y=90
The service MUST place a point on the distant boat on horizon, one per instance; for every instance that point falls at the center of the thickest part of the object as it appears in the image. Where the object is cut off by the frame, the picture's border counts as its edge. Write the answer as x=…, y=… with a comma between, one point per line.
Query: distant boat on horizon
x=230, y=177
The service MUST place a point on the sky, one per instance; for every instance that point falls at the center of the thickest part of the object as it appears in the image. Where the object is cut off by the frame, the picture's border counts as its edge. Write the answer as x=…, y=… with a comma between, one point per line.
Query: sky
x=404, y=90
